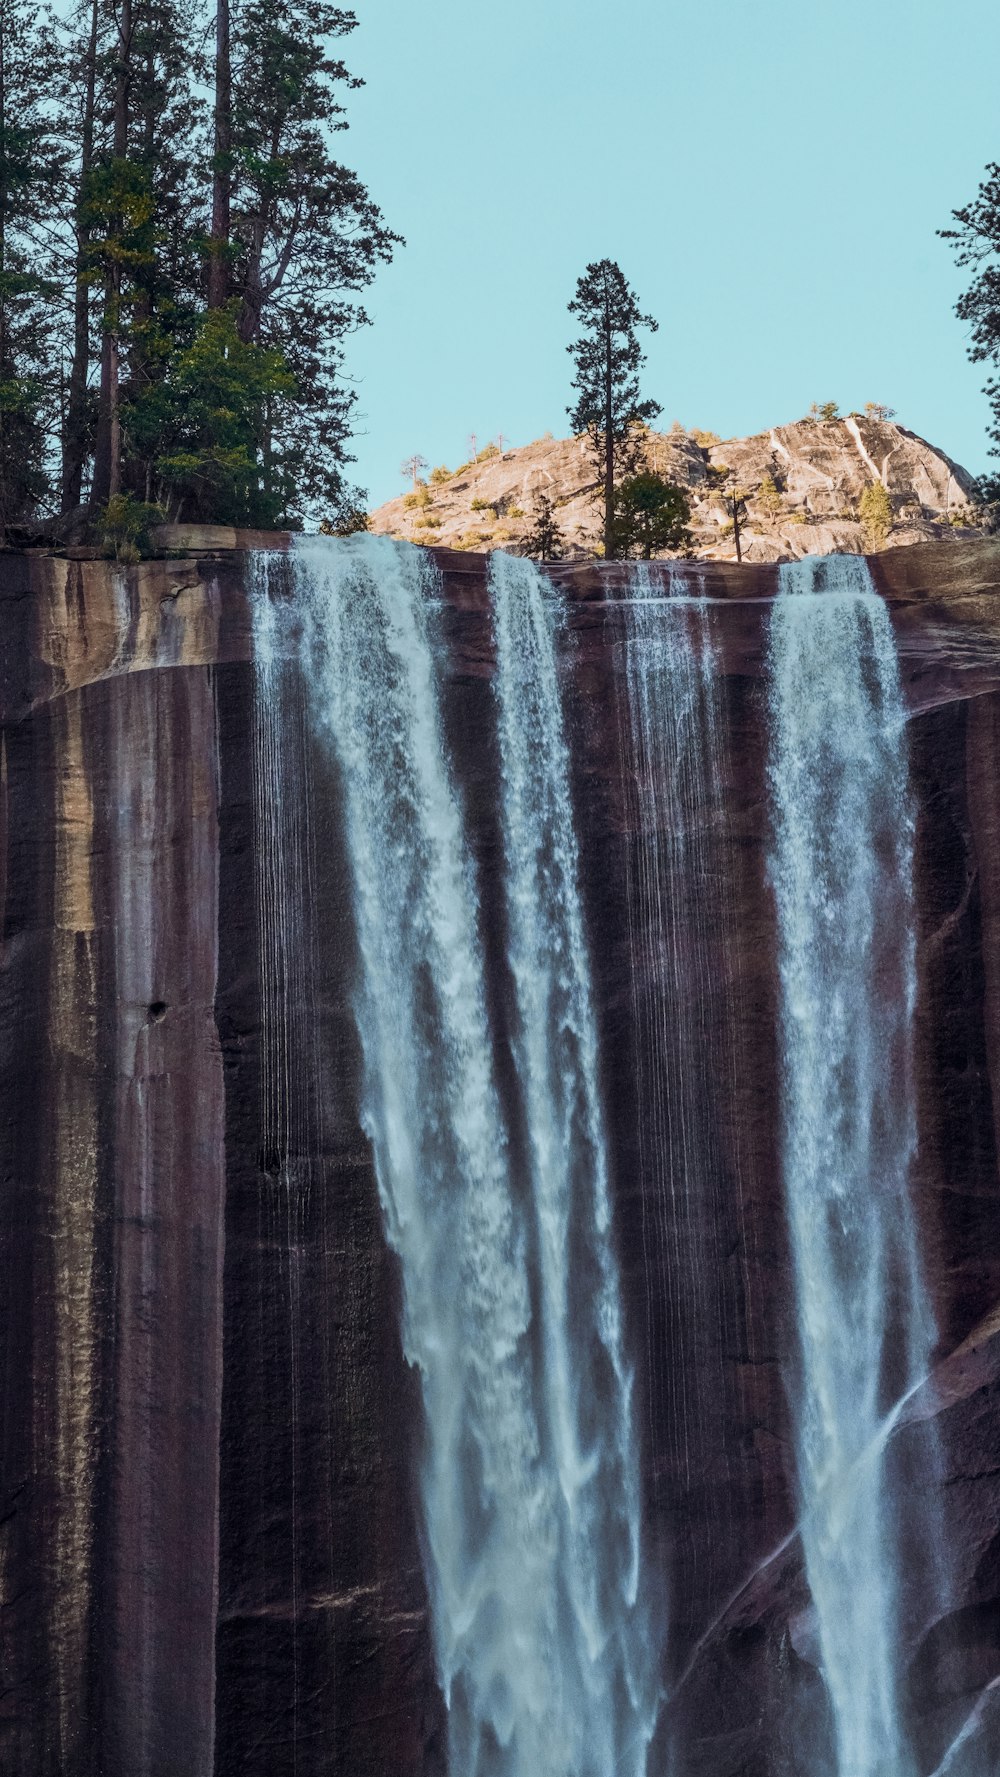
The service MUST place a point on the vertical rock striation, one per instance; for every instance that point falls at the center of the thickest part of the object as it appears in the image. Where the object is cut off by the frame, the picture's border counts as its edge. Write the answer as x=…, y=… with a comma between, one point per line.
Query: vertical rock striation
x=213, y=1532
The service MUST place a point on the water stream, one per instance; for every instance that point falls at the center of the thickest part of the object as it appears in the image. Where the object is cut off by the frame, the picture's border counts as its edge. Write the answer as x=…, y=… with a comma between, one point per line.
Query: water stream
x=841, y=867
x=529, y=1483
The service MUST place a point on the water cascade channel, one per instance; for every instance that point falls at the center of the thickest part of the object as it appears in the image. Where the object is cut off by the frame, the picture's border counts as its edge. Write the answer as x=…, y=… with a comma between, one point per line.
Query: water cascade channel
x=530, y=1479
x=842, y=873
x=545, y=1436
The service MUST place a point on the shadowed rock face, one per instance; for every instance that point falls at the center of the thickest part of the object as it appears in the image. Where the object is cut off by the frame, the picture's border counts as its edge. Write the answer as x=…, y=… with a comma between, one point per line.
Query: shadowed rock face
x=209, y=1546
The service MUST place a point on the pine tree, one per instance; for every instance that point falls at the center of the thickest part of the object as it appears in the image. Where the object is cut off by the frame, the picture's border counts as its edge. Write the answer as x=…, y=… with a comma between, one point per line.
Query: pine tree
x=31, y=174
x=544, y=541
x=607, y=359
x=976, y=244
x=306, y=237
x=875, y=512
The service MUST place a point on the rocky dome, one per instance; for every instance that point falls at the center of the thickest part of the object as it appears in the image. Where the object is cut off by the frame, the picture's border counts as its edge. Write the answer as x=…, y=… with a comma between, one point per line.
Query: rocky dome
x=803, y=483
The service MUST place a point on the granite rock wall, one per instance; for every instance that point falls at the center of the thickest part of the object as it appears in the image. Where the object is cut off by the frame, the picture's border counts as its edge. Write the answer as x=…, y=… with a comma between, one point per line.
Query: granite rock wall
x=209, y=1538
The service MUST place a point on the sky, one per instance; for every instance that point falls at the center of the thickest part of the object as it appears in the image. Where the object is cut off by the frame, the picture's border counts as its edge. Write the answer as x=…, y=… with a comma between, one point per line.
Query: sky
x=769, y=174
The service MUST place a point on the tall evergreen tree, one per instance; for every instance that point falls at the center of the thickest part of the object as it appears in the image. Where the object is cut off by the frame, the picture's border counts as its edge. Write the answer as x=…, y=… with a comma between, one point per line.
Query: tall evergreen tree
x=607, y=359
x=306, y=237
x=30, y=178
x=976, y=243
x=181, y=286
x=79, y=97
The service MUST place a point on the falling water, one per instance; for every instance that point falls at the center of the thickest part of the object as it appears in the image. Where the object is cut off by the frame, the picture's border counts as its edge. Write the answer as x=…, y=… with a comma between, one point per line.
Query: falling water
x=587, y=1385
x=687, y=1015
x=841, y=867
x=528, y=1486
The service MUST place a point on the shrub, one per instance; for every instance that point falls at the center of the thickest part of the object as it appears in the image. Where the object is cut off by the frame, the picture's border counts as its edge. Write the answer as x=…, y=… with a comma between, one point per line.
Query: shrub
x=441, y=473
x=124, y=527
x=651, y=514
x=824, y=410
x=704, y=440
x=478, y=505
x=875, y=512
x=769, y=496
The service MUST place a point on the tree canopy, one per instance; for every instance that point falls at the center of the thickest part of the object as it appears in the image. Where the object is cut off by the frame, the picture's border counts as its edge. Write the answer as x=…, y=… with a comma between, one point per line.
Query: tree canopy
x=178, y=279
x=975, y=243
x=651, y=515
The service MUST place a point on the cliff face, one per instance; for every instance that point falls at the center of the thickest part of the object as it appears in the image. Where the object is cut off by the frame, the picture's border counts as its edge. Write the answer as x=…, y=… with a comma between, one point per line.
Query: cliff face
x=210, y=1552
x=803, y=483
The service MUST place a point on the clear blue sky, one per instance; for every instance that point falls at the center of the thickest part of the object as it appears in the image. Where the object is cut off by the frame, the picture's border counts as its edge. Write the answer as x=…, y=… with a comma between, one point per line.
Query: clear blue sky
x=768, y=173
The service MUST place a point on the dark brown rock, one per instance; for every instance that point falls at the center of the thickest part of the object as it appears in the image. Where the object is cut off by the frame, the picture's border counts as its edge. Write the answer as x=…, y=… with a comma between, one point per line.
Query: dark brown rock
x=209, y=1531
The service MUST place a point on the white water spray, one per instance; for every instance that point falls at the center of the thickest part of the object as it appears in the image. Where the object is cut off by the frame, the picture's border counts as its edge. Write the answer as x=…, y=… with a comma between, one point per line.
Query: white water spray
x=586, y=1382
x=687, y=1016
x=528, y=1482
x=841, y=866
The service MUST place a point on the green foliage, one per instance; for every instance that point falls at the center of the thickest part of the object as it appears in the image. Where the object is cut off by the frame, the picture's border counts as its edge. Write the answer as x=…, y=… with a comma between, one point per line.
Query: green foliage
x=824, y=410
x=651, y=515
x=769, y=496
x=106, y=175
x=488, y=451
x=350, y=523
x=705, y=440
x=544, y=541
x=875, y=512
x=31, y=177
x=877, y=410
x=607, y=359
x=441, y=474
x=975, y=244
x=219, y=395
x=123, y=526
x=479, y=505
x=515, y=512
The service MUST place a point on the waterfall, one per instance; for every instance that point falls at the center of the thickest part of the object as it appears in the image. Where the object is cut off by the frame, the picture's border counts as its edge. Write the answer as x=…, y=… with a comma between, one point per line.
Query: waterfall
x=528, y=1483
x=841, y=869
x=587, y=1385
x=687, y=1015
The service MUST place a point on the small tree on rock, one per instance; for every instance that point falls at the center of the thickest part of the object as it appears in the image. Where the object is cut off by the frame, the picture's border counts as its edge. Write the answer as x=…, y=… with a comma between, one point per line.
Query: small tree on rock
x=544, y=541
x=651, y=515
x=875, y=511
x=413, y=467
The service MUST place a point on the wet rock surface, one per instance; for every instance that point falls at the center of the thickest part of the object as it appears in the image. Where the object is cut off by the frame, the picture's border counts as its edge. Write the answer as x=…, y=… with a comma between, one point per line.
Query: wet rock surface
x=209, y=1534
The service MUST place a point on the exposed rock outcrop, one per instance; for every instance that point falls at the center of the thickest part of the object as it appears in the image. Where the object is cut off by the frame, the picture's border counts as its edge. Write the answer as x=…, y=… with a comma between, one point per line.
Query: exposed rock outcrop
x=803, y=483
x=209, y=1551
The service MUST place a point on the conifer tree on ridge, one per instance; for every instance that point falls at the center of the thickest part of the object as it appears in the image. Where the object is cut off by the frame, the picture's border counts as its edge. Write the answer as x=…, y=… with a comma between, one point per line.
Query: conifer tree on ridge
x=607, y=359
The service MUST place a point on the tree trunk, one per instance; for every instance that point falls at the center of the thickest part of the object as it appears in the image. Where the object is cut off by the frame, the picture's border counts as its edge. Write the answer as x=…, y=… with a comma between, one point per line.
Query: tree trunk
x=108, y=456
x=218, y=267
x=74, y=439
